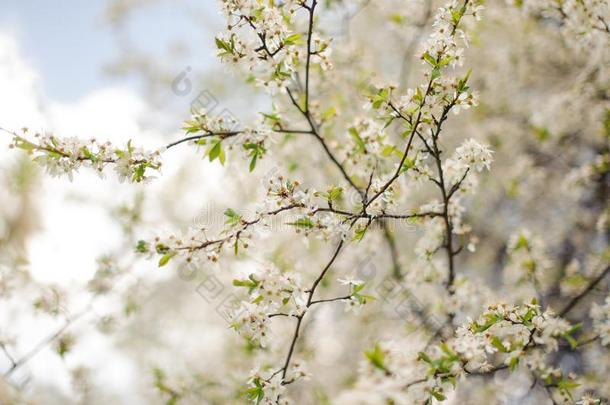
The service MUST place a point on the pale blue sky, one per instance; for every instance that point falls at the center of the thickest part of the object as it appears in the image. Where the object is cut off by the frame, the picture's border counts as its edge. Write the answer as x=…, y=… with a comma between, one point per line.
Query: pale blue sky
x=67, y=42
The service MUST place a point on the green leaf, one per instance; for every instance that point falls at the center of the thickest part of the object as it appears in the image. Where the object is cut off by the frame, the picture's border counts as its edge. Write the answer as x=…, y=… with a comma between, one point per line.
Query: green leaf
x=363, y=298
x=359, y=142
x=436, y=73
x=573, y=329
x=255, y=151
x=513, y=363
x=255, y=393
x=160, y=248
x=497, y=343
x=64, y=345
x=571, y=341
x=428, y=58
x=359, y=233
x=330, y=113
x=335, y=193
x=566, y=386
x=380, y=98
x=253, y=163
x=304, y=222
x=445, y=61
x=492, y=320
x=233, y=217
x=423, y=356
x=447, y=350
x=138, y=172
x=397, y=18
x=541, y=133
x=250, y=283
x=292, y=39
x=272, y=117
x=438, y=395
x=215, y=151
x=376, y=357
x=191, y=126
x=166, y=258
x=224, y=46
x=389, y=150
x=462, y=87
x=142, y=246
x=455, y=16
x=222, y=157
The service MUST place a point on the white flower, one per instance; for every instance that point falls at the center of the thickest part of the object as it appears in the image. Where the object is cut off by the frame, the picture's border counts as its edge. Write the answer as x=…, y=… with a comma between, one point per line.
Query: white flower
x=350, y=281
x=601, y=321
x=252, y=321
x=270, y=292
x=473, y=347
x=587, y=399
x=474, y=155
x=354, y=305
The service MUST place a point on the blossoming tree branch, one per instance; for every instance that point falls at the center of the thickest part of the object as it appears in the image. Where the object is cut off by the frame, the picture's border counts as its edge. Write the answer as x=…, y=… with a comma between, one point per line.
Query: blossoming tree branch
x=394, y=161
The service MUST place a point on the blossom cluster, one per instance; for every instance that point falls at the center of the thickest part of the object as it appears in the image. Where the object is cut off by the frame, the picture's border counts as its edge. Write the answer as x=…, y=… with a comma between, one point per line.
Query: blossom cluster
x=516, y=334
x=194, y=246
x=52, y=301
x=387, y=197
x=355, y=300
x=64, y=156
x=469, y=156
x=214, y=133
x=583, y=20
x=422, y=111
x=282, y=195
x=459, y=172
x=528, y=260
x=264, y=36
x=284, y=191
x=385, y=374
x=368, y=141
x=445, y=43
x=580, y=177
x=601, y=321
x=270, y=388
x=270, y=292
x=326, y=225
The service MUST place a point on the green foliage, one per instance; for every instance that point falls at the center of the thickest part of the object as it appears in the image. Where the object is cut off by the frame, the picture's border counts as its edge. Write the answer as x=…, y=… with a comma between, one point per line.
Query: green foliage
x=541, y=133
x=166, y=258
x=380, y=98
x=251, y=283
x=217, y=152
x=255, y=393
x=569, y=335
x=359, y=232
x=303, y=223
x=294, y=39
x=377, y=357
x=225, y=48
x=233, y=218
x=332, y=194
x=255, y=152
x=361, y=298
x=143, y=246
x=356, y=137
x=64, y=344
x=160, y=382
